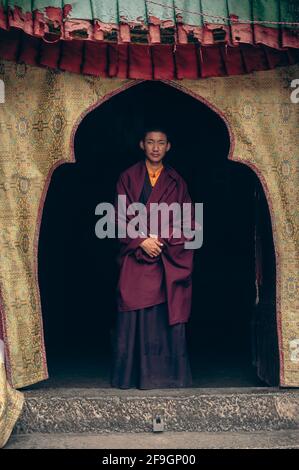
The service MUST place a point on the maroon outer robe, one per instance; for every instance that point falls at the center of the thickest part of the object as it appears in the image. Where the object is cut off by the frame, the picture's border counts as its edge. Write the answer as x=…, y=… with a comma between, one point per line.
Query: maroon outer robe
x=146, y=281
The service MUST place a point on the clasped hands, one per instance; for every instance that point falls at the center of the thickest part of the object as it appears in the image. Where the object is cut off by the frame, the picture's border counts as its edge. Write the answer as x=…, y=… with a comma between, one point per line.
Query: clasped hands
x=152, y=246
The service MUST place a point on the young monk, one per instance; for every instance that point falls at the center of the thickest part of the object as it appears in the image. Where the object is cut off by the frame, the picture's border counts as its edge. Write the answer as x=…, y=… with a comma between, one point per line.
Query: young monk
x=155, y=285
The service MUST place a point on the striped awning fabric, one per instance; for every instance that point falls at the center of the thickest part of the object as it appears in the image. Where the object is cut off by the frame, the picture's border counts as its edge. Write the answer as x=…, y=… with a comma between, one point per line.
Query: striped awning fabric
x=274, y=23
x=151, y=39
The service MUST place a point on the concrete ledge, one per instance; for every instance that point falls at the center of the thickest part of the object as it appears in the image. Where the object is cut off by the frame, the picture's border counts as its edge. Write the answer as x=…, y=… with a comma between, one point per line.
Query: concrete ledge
x=193, y=410
x=168, y=440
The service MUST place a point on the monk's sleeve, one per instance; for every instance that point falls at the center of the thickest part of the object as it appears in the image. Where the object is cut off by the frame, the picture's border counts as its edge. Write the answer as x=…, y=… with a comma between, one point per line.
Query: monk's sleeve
x=191, y=223
x=128, y=244
x=178, y=260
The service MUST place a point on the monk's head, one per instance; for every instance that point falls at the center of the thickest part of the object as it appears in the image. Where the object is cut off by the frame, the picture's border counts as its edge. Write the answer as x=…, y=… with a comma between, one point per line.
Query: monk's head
x=155, y=144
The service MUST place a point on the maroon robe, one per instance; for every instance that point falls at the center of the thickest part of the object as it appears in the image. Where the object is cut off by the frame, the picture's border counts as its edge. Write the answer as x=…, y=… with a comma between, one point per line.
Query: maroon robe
x=143, y=279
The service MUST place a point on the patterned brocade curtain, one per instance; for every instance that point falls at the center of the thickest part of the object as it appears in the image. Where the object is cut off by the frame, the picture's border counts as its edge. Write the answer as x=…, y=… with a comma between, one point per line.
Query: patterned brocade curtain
x=265, y=354
x=11, y=402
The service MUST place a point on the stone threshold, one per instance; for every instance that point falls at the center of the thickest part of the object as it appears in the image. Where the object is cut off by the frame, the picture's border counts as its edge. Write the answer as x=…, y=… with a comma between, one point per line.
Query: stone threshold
x=285, y=439
x=90, y=410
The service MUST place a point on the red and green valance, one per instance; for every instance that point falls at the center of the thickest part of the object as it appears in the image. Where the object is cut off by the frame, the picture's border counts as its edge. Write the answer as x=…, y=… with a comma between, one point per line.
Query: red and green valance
x=144, y=38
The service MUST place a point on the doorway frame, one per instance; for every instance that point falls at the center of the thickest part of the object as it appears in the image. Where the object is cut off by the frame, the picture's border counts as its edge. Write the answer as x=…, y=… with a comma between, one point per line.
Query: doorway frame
x=230, y=156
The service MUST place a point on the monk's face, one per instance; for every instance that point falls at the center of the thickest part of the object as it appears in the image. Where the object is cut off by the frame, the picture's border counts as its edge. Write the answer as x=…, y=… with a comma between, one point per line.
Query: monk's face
x=155, y=146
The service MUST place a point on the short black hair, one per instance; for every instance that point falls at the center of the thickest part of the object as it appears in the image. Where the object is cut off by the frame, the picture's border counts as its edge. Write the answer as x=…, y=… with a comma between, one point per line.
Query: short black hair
x=155, y=128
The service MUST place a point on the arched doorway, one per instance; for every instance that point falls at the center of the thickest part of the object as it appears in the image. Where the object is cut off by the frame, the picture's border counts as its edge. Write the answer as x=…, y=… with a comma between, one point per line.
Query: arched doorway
x=77, y=271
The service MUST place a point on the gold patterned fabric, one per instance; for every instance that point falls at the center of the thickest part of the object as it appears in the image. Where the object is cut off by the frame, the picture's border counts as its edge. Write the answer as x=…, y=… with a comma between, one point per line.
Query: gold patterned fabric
x=11, y=404
x=37, y=125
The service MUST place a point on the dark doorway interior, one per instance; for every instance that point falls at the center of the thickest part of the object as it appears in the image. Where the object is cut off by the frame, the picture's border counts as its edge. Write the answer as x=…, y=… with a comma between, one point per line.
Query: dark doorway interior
x=78, y=273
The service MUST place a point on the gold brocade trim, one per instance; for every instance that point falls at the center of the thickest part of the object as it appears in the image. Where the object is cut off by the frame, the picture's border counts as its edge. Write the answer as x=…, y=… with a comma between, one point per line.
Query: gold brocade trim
x=11, y=405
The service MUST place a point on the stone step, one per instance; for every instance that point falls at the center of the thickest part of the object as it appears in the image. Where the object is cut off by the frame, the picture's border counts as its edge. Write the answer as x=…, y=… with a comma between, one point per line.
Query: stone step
x=284, y=439
x=90, y=410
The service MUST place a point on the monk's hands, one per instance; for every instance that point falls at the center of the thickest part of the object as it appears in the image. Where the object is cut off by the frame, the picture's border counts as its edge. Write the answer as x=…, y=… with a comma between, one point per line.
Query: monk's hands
x=152, y=246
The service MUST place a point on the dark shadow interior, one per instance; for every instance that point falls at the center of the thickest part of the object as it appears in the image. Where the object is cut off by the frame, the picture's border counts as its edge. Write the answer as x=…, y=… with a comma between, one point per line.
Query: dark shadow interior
x=78, y=272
